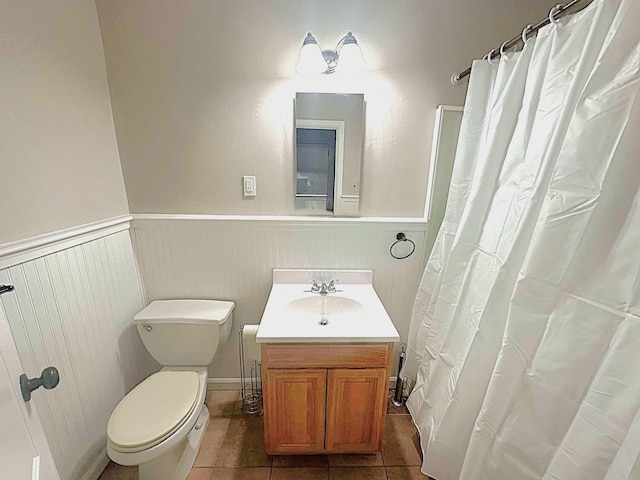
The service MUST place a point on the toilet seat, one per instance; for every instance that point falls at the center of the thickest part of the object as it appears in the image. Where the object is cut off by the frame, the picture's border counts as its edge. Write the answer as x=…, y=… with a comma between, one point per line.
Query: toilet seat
x=153, y=410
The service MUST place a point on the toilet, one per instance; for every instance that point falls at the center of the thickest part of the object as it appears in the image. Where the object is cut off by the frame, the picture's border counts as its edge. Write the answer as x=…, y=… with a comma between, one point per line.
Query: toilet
x=160, y=424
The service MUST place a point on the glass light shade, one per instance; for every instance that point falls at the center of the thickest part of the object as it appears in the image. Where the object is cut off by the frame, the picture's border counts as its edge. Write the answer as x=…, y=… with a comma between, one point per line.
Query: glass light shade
x=311, y=61
x=350, y=60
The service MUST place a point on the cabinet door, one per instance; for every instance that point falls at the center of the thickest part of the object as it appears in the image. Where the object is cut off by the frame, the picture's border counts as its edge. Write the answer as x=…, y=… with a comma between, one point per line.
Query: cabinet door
x=356, y=404
x=294, y=402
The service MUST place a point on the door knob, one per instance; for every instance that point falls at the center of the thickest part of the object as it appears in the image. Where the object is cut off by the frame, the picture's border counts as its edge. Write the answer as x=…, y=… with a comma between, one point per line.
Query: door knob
x=48, y=379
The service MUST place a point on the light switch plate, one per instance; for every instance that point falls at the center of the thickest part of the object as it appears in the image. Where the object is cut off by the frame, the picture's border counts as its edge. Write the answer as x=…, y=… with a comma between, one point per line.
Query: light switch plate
x=249, y=186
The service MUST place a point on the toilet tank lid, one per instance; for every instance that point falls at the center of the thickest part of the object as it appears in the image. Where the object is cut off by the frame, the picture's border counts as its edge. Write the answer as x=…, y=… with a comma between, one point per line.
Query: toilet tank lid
x=201, y=312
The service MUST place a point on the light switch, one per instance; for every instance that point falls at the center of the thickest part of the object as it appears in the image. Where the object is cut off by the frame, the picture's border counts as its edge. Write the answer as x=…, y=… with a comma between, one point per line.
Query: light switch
x=249, y=186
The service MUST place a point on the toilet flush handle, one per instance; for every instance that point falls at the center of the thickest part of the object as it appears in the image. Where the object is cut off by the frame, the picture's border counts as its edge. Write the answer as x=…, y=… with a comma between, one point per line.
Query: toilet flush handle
x=148, y=328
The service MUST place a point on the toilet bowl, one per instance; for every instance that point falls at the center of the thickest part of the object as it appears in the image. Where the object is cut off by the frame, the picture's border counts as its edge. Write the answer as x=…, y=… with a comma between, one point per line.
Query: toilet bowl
x=160, y=424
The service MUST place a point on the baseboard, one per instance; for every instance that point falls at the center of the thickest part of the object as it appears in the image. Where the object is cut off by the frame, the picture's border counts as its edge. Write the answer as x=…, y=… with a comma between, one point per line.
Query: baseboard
x=224, y=384
x=97, y=467
x=234, y=383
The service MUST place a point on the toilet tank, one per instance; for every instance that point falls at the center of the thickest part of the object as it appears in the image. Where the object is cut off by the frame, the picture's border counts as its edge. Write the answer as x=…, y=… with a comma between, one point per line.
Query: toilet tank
x=185, y=332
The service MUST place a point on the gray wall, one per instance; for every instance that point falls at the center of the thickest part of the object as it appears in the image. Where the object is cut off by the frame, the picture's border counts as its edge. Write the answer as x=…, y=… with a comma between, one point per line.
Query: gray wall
x=203, y=92
x=59, y=164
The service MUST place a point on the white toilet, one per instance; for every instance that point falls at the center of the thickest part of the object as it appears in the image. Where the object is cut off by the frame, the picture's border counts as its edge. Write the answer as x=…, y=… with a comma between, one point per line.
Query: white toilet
x=160, y=424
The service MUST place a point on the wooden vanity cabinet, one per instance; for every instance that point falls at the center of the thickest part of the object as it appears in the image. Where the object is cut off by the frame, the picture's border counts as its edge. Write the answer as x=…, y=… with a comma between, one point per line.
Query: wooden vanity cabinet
x=325, y=398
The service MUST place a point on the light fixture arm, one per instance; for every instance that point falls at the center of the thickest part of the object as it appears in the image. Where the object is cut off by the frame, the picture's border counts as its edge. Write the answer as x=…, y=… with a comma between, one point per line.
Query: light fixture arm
x=331, y=57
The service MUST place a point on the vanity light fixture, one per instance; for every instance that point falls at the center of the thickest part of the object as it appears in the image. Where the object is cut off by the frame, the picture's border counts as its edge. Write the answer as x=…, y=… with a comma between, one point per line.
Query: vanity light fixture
x=346, y=58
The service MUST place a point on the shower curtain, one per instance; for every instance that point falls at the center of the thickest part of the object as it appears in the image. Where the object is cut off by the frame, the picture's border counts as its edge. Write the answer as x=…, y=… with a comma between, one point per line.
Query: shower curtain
x=525, y=336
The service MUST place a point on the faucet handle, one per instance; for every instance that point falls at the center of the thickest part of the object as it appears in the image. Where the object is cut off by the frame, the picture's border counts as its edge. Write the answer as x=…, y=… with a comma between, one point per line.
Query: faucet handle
x=315, y=287
x=332, y=285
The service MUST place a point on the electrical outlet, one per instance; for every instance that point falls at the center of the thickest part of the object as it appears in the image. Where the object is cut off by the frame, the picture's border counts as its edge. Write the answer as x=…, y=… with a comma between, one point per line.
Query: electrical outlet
x=249, y=186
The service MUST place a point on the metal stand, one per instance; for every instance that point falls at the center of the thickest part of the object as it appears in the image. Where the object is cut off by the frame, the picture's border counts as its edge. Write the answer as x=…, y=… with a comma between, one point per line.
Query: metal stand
x=398, y=396
x=252, y=386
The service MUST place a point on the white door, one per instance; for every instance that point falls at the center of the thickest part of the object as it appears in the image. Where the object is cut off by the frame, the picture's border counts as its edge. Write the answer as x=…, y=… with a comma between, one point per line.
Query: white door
x=24, y=452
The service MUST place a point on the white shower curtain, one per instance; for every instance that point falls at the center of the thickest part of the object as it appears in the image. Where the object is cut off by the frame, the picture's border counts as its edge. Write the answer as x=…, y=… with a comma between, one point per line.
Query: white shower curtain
x=525, y=336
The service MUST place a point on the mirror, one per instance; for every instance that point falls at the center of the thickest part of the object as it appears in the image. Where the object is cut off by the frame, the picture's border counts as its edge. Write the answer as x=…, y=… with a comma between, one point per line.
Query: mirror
x=328, y=153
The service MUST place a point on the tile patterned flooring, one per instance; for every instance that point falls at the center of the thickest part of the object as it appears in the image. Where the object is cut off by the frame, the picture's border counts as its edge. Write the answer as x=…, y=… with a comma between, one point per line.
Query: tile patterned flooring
x=232, y=449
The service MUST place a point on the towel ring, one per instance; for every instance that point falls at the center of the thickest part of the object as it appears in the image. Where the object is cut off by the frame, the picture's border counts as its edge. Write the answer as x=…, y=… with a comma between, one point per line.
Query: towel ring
x=401, y=237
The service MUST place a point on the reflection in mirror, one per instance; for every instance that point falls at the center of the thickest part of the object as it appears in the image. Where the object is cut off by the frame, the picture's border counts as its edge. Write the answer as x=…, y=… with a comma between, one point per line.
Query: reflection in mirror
x=319, y=149
x=329, y=137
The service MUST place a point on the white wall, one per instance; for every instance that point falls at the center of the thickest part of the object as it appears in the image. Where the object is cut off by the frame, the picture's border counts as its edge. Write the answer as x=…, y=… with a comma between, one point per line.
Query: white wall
x=203, y=92
x=72, y=309
x=59, y=164
x=232, y=259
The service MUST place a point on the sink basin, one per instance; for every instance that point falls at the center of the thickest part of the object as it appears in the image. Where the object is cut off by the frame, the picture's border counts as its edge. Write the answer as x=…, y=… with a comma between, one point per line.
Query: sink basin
x=354, y=313
x=323, y=305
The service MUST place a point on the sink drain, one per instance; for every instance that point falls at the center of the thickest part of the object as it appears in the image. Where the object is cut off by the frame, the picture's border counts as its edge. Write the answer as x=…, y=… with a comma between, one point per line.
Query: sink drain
x=324, y=321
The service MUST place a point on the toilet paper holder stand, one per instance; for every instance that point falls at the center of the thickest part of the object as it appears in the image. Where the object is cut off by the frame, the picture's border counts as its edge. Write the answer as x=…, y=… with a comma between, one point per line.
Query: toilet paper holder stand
x=251, y=385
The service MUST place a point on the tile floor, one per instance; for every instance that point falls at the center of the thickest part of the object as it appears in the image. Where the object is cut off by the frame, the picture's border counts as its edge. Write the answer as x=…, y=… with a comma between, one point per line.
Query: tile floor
x=232, y=449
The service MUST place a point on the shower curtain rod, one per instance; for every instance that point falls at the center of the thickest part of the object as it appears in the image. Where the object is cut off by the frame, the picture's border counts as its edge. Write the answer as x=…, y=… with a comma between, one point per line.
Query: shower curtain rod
x=556, y=12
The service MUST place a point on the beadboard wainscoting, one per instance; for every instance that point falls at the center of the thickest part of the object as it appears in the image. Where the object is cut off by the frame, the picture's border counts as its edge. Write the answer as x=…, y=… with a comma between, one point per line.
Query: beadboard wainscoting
x=232, y=258
x=75, y=295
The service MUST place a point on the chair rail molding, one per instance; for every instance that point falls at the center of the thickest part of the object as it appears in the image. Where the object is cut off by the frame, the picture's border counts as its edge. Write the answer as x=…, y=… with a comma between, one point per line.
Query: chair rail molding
x=21, y=251
x=411, y=223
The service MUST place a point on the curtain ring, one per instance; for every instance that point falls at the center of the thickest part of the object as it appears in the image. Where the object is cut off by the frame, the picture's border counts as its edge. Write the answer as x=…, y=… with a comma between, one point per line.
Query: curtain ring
x=525, y=32
x=488, y=56
x=552, y=14
x=502, y=52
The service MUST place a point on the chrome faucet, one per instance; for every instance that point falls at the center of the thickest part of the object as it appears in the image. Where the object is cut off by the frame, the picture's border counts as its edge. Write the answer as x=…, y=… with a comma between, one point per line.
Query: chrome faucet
x=323, y=288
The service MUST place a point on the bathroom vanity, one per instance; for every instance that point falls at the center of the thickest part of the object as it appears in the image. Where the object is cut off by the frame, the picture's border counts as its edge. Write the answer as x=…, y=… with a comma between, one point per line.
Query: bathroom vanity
x=326, y=361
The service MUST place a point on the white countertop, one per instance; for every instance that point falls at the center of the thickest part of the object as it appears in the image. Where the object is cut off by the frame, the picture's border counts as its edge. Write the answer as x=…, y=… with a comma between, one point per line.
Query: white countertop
x=354, y=313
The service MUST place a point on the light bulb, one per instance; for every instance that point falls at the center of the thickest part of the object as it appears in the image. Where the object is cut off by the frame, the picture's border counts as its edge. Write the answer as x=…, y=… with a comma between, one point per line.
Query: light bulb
x=310, y=60
x=350, y=59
